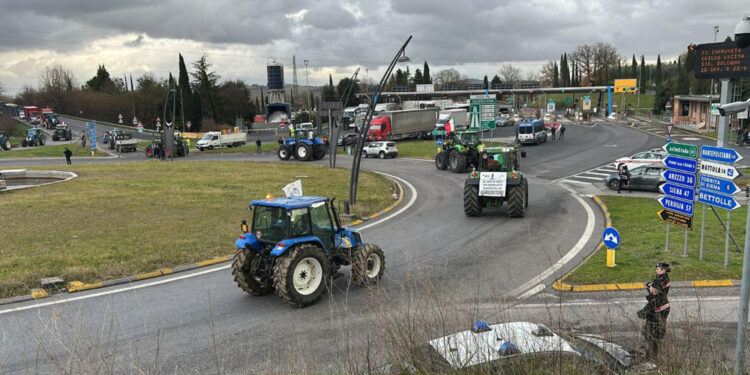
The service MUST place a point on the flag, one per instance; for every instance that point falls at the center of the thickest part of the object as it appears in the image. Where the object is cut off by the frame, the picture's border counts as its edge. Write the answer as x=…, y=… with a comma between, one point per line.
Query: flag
x=294, y=189
x=448, y=127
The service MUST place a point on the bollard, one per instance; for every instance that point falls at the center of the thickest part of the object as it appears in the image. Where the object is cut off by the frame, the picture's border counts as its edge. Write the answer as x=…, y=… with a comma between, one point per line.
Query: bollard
x=346, y=207
x=611, y=258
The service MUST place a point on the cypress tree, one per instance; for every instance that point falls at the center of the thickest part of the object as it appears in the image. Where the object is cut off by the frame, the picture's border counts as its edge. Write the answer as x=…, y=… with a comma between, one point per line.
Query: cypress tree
x=634, y=68
x=555, y=78
x=643, y=74
x=426, y=73
x=185, y=90
x=486, y=83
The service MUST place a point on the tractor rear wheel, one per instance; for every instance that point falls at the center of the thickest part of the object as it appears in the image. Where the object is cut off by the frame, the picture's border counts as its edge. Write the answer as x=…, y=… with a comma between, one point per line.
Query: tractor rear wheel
x=516, y=199
x=441, y=162
x=304, y=152
x=457, y=161
x=368, y=264
x=6, y=145
x=525, y=184
x=23, y=143
x=283, y=153
x=244, y=263
x=301, y=277
x=472, y=207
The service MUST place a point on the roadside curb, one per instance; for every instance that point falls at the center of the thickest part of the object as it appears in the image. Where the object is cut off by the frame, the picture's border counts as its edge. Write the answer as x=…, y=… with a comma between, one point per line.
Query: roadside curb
x=78, y=286
x=562, y=286
x=386, y=210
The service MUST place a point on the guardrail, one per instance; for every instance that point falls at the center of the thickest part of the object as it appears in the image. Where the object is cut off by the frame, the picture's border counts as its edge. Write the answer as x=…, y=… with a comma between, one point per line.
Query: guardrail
x=111, y=124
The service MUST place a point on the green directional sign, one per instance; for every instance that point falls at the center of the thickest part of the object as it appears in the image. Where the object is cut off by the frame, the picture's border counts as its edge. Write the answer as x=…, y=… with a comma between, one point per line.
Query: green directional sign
x=568, y=100
x=482, y=111
x=681, y=149
x=510, y=100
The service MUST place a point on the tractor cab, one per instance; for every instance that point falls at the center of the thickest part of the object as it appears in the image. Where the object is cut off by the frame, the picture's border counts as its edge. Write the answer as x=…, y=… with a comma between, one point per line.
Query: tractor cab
x=468, y=138
x=499, y=159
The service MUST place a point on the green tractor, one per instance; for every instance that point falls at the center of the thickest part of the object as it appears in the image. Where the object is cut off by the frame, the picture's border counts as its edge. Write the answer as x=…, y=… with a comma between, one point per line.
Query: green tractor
x=460, y=151
x=497, y=179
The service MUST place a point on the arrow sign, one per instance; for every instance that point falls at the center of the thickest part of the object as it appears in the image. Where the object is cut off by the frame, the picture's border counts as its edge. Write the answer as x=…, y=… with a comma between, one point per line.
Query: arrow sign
x=611, y=238
x=717, y=200
x=676, y=218
x=719, y=170
x=677, y=191
x=685, y=179
x=680, y=206
x=717, y=185
x=720, y=154
x=681, y=149
x=681, y=164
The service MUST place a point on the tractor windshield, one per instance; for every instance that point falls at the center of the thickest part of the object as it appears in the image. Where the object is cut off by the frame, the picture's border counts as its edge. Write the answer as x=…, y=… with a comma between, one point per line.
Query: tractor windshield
x=468, y=138
x=270, y=224
x=499, y=162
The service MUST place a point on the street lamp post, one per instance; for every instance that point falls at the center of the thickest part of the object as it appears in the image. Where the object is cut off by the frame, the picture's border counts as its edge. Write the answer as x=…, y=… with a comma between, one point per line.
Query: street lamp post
x=711, y=95
x=307, y=85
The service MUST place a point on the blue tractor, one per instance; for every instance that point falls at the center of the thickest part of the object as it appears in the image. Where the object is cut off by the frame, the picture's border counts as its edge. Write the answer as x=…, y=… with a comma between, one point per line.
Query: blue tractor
x=295, y=246
x=304, y=146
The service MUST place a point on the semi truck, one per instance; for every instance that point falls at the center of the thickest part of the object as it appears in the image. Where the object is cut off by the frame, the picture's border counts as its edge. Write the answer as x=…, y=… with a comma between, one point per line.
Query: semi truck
x=32, y=114
x=410, y=123
x=213, y=140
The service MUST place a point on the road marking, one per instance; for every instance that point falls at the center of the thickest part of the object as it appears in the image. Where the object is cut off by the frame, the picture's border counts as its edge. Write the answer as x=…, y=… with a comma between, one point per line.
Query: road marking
x=533, y=291
x=529, y=286
x=622, y=301
x=221, y=268
x=590, y=178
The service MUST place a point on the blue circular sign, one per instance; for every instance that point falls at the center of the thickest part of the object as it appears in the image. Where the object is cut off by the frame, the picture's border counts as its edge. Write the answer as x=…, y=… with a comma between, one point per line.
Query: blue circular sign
x=669, y=139
x=611, y=238
x=439, y=141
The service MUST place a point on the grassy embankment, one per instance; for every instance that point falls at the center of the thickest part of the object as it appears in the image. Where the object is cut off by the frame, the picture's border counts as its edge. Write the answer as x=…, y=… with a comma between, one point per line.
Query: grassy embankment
x=118, y=220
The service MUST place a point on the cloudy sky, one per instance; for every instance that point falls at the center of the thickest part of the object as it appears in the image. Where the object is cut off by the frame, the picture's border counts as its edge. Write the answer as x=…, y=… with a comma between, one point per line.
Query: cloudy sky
x=336, y=36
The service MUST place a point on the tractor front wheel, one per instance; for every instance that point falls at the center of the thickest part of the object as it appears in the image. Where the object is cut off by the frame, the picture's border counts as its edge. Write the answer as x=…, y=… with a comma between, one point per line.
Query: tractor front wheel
x=368, y=264
x=440, y=161
x=283, y=153
x=472, y=206
x=23, y=143
x=6, y=145
x=304, y=152
x=516, y=200
x=319, y=151
x=301, y=277
x=244, y=263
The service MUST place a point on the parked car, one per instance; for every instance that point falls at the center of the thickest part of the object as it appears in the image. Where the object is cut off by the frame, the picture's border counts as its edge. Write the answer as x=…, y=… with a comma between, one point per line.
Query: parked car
x=652, y=157
x=521, y=347
x=645, y=177
x=380, y=149
x=348, y=139
x=505, y=120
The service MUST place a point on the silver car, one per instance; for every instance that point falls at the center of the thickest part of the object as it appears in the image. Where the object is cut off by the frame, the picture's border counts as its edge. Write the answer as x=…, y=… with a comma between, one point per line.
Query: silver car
x=380, y=149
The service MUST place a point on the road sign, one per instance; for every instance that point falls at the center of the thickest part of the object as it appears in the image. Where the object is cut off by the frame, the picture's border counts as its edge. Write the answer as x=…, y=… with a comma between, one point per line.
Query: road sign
x=568, y=100
x=717, y=200
x=677, y=191
x=669, y=139
x=676, y=218
x=482, y=110
x=680, y=206
x=611, y=238
x=721, y=60
x=92, y=134
x=550, y=106
x=669, y=129
x=718, y=170
x=681, y=149
x=720, y=154
x=586, y=103
x=681, y=164
x=439, y=141
x=630, y=82
x=680, y=178
x=717, y=185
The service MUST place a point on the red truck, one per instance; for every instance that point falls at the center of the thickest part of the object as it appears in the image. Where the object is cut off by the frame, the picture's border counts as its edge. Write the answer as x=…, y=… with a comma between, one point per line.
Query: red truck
x=32, y=114
x=410, y=123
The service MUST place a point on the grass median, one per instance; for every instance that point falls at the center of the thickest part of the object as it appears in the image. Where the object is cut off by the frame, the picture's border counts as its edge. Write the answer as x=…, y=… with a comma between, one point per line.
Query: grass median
x=643, y=236
x=122, y=219
x=54, y=151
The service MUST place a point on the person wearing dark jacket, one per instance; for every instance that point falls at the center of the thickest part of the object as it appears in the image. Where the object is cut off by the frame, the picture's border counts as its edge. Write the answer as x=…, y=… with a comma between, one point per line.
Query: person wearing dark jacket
x=624, y=175
x=655, y=315
x=662, y=277
x=68, y=154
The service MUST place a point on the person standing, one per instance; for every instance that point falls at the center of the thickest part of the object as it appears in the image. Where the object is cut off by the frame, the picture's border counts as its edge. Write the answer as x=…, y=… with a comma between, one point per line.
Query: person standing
x=624, y=175
x=655, y=315
x=83, y=140
x=258, y=143
x=68, y=154
x=662, y=277
x=553, y=131
x=562, y=132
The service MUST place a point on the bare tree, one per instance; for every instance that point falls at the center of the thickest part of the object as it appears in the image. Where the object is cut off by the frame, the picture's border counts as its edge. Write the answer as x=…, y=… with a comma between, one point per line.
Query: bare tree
x=449, y=77
x=547, y=74
x=595, y=62
x=55, y=83
x=510, y=74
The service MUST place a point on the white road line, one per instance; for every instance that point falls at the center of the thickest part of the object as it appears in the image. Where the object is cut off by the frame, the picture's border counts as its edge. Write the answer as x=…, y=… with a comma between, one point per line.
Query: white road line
x=529, y=286
x=575, y=174
x=532, y=291
x=589, y=178
x=597, y=173
x=220, y=268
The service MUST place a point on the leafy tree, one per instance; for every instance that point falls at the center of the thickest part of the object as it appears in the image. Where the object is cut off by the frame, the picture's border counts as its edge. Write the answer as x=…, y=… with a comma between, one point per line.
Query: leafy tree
x=329, y=92
x=101, y=82
x=496, y=81
x=197, y=114
x=556, y=78
x=341, y=89
x=235, y=97
x=418, y=78
x=207, y=84
x=426, y=73
x=682, y=81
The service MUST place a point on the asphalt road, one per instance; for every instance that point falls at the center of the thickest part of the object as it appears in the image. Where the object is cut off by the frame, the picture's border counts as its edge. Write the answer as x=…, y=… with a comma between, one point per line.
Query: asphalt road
x=438, y=261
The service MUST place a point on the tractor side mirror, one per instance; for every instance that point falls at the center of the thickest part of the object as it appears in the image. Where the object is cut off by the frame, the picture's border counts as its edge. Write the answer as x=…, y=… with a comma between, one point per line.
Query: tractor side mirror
x=523, y=154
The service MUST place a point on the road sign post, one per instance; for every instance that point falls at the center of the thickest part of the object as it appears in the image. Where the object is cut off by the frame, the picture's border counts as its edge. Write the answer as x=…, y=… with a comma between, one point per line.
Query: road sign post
x=680, y=189
x=483, y=110
x=611, y=239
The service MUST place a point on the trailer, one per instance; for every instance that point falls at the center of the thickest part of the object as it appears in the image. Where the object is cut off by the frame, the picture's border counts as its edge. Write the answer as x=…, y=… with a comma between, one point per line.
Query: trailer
x=410, y=123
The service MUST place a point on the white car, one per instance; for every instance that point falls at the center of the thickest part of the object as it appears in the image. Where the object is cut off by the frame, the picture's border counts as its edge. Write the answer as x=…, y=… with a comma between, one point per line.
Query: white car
x=547, y=117
x=523, y=347
x=380, y=149
x=652, y=157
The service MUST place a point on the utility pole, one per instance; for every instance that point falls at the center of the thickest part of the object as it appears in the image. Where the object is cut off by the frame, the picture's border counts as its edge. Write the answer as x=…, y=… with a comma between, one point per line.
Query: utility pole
x=711, y=95
x=307, y=85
